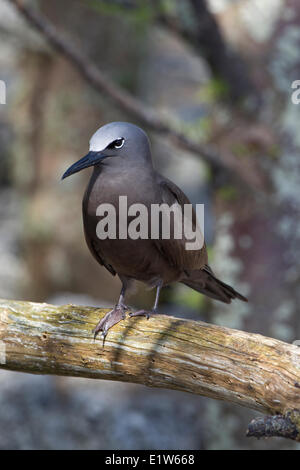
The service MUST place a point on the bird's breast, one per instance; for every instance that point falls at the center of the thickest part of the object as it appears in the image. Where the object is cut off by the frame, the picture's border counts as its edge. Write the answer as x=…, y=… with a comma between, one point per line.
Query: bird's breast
x=136, y=258
x=108, y=187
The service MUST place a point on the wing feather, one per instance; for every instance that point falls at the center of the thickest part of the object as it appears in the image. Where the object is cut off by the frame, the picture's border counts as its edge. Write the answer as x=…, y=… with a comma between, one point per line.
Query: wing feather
x=174, y=250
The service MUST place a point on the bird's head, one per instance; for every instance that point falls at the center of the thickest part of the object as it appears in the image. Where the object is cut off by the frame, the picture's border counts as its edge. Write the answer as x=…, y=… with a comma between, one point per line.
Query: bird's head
x=118, y=144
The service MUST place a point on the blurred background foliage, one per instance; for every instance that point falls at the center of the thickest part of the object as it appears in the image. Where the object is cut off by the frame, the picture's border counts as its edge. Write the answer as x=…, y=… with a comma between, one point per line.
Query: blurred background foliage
x=221, y=72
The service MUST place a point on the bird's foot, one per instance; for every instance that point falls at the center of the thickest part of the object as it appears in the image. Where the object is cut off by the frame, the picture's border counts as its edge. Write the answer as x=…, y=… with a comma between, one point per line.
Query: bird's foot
x=143, y=313
x=110, y=319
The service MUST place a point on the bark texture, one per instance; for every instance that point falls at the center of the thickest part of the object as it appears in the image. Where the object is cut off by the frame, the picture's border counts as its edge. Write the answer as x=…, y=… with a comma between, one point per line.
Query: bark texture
x=245, y=368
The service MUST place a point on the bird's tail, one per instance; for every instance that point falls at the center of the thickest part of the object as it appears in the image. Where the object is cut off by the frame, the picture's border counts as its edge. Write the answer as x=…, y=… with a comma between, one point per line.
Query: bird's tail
x=204, y=281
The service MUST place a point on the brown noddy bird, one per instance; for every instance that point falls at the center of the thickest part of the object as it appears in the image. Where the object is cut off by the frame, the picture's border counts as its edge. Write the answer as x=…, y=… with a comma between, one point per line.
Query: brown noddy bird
x=122, y=166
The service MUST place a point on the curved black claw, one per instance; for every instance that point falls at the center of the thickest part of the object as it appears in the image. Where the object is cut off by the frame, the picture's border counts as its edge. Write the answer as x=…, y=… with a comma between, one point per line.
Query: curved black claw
x=110, y=319
x=143, y=313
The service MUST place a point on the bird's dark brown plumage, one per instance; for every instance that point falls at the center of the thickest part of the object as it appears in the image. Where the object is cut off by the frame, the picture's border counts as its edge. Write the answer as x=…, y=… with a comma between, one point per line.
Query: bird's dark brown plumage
x=128, y=171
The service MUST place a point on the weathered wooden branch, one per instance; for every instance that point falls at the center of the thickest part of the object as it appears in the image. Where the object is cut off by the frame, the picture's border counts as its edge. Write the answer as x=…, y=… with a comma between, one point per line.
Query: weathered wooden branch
x=209, y=360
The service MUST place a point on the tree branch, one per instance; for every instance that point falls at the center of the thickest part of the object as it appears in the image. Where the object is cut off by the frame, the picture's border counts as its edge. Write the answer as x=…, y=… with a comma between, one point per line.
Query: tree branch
x=249, y=369
x=227, y=163
x=287, y=425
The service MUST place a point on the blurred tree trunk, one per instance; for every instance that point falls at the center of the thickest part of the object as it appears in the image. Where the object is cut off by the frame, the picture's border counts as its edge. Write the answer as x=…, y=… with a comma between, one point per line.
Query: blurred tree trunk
x=257, y=243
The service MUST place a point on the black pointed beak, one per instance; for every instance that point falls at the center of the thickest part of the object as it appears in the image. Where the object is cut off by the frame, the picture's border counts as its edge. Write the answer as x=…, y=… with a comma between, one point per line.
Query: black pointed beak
x=92, y=158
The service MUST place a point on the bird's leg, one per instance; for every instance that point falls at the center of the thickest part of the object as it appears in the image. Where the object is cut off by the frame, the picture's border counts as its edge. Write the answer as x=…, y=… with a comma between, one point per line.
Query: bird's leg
x=149, y=313
x=117, y=314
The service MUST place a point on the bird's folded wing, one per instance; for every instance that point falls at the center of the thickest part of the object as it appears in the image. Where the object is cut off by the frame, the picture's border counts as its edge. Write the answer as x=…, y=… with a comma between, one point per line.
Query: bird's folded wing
x=94, y=249
x=175, y=250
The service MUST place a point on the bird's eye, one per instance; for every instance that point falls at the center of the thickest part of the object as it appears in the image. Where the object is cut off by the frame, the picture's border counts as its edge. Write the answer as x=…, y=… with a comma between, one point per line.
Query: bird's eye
x=117, y=144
